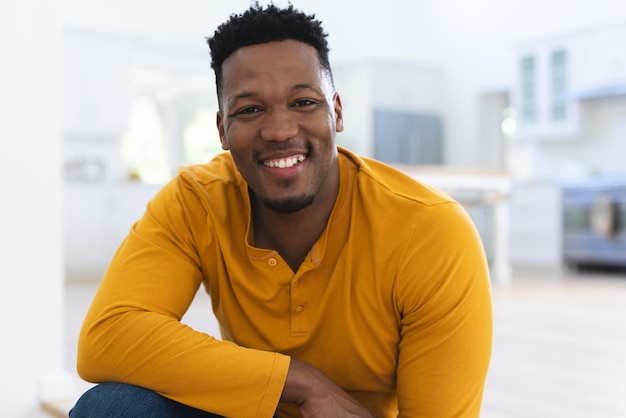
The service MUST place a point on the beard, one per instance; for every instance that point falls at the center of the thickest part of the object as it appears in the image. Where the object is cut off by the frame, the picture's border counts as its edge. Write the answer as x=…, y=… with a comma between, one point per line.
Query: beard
x=289, y=204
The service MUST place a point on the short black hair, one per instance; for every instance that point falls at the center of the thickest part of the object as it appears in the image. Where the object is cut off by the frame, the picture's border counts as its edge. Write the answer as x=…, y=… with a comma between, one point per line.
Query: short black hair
x=259, y=25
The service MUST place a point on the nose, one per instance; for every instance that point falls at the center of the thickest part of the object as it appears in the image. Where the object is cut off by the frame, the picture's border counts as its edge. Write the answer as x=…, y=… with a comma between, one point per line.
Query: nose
x=279, y=125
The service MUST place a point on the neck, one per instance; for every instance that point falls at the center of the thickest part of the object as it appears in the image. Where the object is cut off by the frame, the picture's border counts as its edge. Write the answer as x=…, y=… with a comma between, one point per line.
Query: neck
x=293, y=234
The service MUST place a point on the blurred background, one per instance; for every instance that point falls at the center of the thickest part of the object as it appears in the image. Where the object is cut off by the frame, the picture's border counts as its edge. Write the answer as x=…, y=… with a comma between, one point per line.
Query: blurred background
x=515, y=108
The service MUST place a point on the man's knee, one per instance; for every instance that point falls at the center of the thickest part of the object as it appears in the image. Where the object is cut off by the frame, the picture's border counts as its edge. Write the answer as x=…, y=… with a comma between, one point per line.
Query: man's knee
x=122, y=400
x=119, y=400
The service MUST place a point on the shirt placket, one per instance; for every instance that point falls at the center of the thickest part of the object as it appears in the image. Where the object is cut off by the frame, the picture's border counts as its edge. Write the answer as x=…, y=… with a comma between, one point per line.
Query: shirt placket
x=300, y=308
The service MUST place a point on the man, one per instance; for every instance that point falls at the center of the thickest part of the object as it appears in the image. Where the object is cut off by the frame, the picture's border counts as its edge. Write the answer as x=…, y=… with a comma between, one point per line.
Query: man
x=342, y=287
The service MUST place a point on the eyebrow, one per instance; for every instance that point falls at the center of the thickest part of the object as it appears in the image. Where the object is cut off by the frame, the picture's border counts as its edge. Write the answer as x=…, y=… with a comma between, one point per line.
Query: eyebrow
x=306, y=86
x=243, y=95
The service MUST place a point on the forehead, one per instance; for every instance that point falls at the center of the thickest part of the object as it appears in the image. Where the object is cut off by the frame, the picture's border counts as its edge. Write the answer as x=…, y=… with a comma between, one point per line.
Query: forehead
x=272, y=62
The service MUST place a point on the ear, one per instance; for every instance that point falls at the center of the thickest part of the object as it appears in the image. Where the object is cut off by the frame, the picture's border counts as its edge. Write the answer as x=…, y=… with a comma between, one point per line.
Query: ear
x=338, y=113
x=220, y=129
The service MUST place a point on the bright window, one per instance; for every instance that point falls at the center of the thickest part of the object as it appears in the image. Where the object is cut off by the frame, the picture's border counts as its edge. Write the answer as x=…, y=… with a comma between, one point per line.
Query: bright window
x=171, y=123
x=143, y=146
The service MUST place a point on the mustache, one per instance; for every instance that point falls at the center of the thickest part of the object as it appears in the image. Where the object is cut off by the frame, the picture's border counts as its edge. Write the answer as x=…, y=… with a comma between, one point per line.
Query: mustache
x=290, y=145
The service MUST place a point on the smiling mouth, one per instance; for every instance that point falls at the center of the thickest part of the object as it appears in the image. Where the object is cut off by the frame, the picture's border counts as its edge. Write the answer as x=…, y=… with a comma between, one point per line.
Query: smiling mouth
x=285, y=162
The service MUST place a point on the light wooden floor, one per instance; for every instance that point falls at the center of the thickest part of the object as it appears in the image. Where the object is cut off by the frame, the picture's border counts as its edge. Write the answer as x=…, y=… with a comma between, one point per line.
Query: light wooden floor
x=559, y=344
x=559, y=348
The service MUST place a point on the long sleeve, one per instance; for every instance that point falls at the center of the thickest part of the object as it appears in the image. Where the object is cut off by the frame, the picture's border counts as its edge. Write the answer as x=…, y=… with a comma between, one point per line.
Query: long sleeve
x=446, y=320
x=133, y=334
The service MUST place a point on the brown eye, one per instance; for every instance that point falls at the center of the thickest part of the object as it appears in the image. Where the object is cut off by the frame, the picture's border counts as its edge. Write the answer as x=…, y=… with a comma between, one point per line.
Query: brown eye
x=248, y=110
x=303, y=102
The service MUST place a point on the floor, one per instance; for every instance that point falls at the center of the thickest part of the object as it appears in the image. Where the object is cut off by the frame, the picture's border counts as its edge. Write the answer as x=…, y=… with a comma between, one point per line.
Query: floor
x=559, y=344
x=559, y=348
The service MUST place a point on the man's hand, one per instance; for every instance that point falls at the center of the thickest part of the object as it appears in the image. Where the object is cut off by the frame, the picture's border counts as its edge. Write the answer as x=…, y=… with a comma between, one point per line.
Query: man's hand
x=317, y=395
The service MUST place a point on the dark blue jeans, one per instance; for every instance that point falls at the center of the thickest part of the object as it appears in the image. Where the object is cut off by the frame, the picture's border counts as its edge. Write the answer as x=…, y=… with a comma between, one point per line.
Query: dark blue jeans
x=120, y=400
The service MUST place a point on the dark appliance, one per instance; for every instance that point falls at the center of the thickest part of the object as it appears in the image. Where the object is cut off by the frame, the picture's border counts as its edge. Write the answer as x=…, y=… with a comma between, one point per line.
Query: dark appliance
x=594, y=223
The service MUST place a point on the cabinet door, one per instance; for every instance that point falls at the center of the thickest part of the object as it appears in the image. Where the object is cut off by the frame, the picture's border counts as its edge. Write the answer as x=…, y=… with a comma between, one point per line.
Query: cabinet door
x=536, y=225
x=96, y=84
x=599, y=62
x=86, y=230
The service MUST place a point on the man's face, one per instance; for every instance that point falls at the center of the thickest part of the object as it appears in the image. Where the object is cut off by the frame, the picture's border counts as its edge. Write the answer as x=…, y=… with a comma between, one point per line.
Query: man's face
x=279, y=117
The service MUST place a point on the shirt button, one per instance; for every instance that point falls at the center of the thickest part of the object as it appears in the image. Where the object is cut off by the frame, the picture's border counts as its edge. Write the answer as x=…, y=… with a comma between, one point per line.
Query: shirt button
x=299, y=308
x=296, y=283
x=272, y=262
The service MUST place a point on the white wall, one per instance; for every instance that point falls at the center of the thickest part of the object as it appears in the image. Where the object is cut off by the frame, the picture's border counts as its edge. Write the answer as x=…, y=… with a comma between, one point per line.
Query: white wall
x=31, y=281
x=391, y=29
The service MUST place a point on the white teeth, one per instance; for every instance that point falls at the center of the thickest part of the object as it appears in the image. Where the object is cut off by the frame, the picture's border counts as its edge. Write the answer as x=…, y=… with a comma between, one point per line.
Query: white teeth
x=285, y=162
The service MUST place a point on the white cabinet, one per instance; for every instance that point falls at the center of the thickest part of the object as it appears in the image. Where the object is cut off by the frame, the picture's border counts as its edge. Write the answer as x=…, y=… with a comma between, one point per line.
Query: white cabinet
x=96, y=84
x=536, y=232
x=599, y=63
x=86, y=240
x=96, y=218
x=541, y=95
x=554, y=77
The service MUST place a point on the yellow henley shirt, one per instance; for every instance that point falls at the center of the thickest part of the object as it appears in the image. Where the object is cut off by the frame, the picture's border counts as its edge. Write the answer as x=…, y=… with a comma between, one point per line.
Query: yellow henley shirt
x=393, y=302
